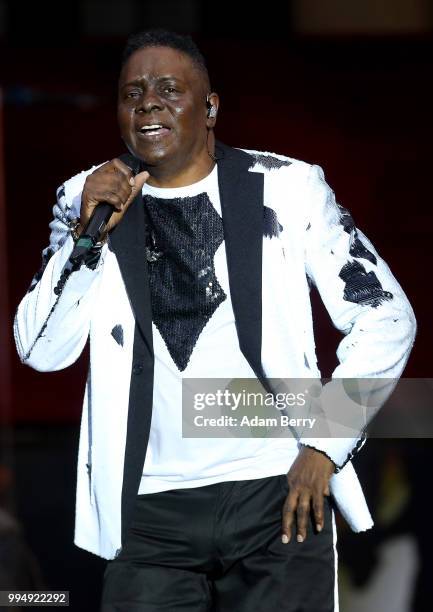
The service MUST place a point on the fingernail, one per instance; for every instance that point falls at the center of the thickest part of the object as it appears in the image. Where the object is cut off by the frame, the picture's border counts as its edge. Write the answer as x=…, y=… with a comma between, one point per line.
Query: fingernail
x=319, y=527
x=299, y=538
x=284, y=539
x=132, y=181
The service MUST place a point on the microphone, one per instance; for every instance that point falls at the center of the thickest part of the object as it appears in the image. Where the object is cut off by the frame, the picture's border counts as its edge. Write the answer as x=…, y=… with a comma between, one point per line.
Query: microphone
x=101, y=215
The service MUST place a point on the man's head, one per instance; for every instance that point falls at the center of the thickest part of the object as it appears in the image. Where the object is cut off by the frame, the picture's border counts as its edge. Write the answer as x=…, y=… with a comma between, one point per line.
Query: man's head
x=164, y=82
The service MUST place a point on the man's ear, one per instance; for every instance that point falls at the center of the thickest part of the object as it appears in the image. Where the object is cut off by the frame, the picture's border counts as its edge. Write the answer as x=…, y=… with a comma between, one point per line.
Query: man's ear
x=212, y=104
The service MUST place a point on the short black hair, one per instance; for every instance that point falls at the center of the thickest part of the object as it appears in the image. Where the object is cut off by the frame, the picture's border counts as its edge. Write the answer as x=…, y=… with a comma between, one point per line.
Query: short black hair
x=165, y=38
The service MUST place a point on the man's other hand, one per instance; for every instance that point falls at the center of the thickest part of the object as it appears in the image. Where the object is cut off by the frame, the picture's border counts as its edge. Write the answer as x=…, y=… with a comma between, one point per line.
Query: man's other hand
x=308, y=480
x=113, y=183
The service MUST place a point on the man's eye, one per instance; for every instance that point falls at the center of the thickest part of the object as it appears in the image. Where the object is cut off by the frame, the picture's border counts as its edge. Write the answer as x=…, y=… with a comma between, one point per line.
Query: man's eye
x=170, y=90
x=132, y=94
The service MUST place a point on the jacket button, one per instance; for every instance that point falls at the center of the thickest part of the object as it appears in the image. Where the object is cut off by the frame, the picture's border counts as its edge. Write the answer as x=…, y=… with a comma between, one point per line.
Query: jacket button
x=137, y=368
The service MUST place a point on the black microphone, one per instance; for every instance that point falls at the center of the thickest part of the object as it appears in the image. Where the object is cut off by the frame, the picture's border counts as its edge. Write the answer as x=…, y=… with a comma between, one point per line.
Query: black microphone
x=101, y=215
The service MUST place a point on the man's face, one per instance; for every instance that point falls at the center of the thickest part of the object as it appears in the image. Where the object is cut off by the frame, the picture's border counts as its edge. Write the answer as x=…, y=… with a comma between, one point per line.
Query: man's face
x=162, y=87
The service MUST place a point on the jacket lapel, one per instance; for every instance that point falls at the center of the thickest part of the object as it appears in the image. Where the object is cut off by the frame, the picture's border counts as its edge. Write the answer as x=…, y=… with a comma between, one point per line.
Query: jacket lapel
x=127, y=240
x=241, y=194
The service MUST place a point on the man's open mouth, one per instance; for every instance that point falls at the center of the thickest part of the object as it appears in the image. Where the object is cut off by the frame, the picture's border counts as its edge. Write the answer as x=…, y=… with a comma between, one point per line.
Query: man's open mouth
x=156, y=129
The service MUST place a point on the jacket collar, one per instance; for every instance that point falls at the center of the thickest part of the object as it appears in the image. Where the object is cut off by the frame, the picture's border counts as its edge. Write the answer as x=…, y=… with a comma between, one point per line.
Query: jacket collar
x=241, y=194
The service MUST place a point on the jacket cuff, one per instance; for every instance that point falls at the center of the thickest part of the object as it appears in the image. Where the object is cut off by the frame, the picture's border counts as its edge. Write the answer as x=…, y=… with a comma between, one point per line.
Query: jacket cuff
x=342, y=412
x=339, y=450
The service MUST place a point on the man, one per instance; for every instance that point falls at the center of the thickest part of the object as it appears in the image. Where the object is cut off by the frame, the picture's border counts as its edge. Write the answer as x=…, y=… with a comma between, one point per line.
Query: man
x=204, y=272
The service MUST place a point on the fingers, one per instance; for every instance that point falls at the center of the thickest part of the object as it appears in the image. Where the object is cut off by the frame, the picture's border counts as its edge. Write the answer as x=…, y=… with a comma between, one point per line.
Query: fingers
x=318, y=514
x=308, y=480
x=136, y=183
x=302, y=516
x=297, y=508
x=126, y=185
x=119, y=166
x=119, y=182
x=113, y=182
x=116, y=195
x=139, y=180
x=289, y=510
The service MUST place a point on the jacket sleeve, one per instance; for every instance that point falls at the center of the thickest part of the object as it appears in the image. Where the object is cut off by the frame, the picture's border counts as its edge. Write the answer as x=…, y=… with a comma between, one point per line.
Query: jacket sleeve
x=364, y=301
x=50, y=329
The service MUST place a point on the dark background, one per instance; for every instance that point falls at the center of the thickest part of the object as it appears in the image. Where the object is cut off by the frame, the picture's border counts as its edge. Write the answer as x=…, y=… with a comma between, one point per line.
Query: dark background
x=348, y=89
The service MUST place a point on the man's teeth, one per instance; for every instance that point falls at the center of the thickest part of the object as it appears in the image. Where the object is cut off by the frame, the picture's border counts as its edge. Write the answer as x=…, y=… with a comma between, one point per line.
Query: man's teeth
x=147, y=128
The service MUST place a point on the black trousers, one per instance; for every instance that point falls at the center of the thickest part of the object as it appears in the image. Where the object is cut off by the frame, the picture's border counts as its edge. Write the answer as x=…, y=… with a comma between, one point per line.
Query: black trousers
x=218, y=548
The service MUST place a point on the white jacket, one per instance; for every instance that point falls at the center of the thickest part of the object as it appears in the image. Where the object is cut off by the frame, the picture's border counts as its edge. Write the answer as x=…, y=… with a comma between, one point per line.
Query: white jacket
x=269, y=273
